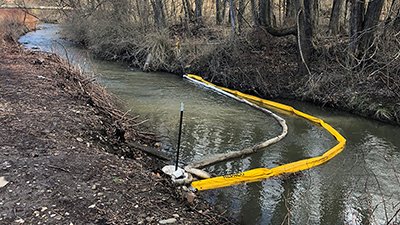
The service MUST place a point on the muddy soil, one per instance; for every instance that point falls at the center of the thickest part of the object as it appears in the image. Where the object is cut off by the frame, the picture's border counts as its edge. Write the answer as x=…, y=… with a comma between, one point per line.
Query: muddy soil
x=64, y=153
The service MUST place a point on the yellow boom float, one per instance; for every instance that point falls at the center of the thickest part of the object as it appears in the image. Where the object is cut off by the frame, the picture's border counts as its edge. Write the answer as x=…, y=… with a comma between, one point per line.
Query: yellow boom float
x=259, y=174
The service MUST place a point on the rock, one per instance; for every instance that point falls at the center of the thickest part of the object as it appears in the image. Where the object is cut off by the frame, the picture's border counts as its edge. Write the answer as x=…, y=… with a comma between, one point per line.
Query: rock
x=94, y=187
x=43, y=209
x=92, y=206
x=175, y=215
x=79, y=139
x=167, y=221
x=36, y=213
x=3, y=182
x=20, y=221
x=190, y=196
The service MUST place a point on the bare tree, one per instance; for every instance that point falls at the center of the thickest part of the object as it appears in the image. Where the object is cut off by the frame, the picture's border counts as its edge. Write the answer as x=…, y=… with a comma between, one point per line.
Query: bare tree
x=254, y=12
x=218, y=13
x=198, y=10
x=356, y=20
x=363, y=25
x=159, y=13
x=232, y=13
x=242, y=8
x=370, y=23
x=334, y=22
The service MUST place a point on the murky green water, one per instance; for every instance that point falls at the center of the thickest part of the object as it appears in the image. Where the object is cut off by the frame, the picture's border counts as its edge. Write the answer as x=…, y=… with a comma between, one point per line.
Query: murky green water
x=360, y=186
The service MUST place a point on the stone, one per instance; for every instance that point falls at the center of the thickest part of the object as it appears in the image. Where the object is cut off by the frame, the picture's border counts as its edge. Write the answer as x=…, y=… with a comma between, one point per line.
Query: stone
x=36, y=213
x=3, y=182
x=167, y=221
x=20, y=221
x=190, y=196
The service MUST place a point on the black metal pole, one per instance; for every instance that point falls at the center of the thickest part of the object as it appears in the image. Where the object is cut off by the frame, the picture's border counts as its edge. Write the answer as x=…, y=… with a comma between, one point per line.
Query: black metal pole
x=179, y=137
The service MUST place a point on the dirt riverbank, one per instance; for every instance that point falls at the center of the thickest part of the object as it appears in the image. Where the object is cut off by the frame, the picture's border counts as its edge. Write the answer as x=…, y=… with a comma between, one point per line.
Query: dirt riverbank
x=64, y=153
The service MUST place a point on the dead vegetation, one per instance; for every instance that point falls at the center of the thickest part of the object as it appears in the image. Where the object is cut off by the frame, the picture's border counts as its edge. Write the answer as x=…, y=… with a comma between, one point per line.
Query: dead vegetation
x=11, y=29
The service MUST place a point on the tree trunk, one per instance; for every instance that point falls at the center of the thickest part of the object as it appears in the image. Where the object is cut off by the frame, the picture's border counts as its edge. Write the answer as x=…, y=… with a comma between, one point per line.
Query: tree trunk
x=218, y=16
x=198, y=10
x=254, y=13
x=334, y=22
x=188, y=10
x=356, y=20
x=305, y=35
x=232, y=13
x=159, y=14
x=263, y=12
x=267, y=23
x=370, y=23
x=290, y=9
x=315, y=14
x=224, y=10
x=242, y=8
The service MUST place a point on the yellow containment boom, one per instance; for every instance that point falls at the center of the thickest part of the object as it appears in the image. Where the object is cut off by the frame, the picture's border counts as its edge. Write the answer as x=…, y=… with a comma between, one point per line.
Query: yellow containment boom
x=259, y=174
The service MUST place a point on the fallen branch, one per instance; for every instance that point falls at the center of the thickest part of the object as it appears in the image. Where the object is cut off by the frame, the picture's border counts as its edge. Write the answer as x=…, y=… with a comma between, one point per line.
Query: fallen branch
x=151, y=151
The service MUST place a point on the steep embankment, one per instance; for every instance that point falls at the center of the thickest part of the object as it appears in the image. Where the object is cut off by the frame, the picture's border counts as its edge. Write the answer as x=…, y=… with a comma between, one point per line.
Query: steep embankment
x=258, y=63
x=59, y=133
x=266, y=66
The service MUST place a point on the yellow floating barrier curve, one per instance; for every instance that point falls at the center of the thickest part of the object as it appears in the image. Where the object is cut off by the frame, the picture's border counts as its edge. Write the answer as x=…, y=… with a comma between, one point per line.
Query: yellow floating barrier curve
x=259, y=174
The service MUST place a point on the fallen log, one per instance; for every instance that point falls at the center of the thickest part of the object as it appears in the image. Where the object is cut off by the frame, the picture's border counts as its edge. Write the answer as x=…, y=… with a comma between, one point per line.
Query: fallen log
x=217, y=158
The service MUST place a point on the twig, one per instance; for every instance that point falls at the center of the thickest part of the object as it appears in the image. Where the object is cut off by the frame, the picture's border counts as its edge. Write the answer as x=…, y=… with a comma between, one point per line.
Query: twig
x=299, y=42
x=137, y=124
x=397, y=212
x=59, y=168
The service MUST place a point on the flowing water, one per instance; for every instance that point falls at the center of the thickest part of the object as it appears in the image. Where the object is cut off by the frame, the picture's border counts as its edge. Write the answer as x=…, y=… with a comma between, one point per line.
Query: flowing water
x=359, y=186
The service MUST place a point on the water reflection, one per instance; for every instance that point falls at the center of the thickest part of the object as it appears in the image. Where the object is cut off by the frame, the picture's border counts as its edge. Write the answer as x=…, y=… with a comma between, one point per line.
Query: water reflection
x=360, y=186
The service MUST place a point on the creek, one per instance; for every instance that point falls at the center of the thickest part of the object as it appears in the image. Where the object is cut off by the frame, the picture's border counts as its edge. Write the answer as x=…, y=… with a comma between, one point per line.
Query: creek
x=359, y=186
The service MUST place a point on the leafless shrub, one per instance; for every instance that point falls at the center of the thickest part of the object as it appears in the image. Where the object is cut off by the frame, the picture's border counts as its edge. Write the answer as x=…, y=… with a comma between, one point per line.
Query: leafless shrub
x=11, y=29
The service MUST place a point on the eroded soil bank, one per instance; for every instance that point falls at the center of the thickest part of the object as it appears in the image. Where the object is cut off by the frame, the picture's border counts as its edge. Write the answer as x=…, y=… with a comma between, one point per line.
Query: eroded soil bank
x=66, y=154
